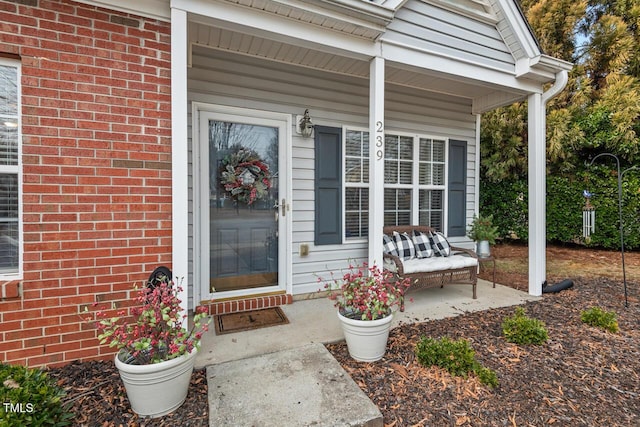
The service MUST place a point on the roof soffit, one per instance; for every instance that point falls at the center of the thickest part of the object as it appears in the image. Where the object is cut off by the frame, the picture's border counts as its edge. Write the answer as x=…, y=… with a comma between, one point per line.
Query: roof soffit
x=363, y=19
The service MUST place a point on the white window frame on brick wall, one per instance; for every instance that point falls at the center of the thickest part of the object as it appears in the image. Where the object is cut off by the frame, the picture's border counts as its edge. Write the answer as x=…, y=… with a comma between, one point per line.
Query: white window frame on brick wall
x=17, y=271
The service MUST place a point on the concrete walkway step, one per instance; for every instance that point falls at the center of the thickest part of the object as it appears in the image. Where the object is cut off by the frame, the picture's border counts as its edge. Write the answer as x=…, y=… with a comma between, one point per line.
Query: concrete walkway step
x=299, y=387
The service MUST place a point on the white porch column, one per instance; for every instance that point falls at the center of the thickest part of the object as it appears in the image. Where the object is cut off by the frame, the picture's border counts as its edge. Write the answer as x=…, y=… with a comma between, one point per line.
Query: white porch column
x=376, y=160
x=538, y=181
x=179, y=159
x=537, y=194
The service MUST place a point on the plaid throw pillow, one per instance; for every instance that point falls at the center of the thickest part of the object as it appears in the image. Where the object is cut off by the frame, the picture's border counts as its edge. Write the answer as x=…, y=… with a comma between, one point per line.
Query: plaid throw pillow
x=422, y=244
x=406, y=250
x=389, y=246
x=440, y=244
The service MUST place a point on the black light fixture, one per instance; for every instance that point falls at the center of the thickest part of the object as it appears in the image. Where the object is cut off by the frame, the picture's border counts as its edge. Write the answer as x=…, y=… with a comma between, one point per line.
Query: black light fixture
x=305, y=125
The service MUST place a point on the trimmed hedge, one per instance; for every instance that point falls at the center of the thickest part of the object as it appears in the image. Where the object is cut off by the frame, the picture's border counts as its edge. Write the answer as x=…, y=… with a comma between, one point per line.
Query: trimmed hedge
x=507, y=201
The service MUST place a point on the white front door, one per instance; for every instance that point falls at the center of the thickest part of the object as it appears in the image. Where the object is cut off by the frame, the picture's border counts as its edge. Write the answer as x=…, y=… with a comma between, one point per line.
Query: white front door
x=242, y=202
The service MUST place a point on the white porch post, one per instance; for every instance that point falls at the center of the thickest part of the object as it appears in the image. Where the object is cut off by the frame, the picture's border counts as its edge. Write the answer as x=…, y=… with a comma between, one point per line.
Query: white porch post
x=537, y=194
x=376, y=160
x=179, y=160
x=538, y=181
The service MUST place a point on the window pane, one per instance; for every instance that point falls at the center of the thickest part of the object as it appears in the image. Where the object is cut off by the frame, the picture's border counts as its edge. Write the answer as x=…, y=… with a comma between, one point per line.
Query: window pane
x=356, y=212
x=431, y=208
x=354, y=144
x=390, y=172
x=8, y=141
x=425, y=150
x=404, y=199
x=390, y=147
x=438, y=174
x=353, y=170
x=431, y=162
x=397, y=206
x=9, y=239
x=9, y=246
x=406, y=148
x=404, y=218
x=8, y=196
x=425, y=174
x=405, y=172
x=9, y=90
x=438, y=150
x=365, y=170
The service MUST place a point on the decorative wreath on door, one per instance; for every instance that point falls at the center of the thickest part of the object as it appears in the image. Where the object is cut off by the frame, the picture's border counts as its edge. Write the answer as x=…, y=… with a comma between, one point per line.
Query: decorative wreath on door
x=244, y=176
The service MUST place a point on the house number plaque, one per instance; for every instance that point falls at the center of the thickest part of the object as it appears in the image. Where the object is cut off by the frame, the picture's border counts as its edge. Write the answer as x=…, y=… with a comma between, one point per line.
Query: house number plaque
x=379, y=140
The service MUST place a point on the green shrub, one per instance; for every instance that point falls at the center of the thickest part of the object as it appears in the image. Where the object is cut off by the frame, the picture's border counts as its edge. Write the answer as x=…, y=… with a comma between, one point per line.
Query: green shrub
x=507, y=201
x=457, y=357
x=595, y=316
x=31, y=398
x=520, y=329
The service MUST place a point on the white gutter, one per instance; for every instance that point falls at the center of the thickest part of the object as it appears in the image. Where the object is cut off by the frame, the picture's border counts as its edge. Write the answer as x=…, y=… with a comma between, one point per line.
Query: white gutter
x=562, y=78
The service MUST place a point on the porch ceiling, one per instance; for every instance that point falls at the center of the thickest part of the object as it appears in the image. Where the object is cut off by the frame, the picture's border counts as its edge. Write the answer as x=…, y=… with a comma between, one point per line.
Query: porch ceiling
x=326, y=59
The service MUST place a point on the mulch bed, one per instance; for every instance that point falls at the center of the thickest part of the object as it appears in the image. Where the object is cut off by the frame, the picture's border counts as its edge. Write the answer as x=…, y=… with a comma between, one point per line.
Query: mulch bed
x=98, y=398
x=582, y=376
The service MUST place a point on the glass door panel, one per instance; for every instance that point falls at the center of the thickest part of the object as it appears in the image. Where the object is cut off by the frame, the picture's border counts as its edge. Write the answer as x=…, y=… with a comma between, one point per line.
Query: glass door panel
x=243, y=206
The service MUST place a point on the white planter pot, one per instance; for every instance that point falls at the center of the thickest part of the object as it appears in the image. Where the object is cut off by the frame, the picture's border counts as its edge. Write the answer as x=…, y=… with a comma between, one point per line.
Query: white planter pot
x=366, y=339
x=157, y=389
x=483, y=249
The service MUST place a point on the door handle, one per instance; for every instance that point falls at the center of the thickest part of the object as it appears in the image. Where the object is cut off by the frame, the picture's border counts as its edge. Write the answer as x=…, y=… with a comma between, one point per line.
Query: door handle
x=283, y=206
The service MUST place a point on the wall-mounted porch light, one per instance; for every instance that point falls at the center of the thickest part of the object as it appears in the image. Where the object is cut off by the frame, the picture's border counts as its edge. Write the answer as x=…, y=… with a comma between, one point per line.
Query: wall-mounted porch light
x=305, y=125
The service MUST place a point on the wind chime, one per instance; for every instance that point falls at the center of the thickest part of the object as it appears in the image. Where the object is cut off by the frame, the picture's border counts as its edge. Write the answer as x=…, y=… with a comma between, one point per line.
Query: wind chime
x=588, y=216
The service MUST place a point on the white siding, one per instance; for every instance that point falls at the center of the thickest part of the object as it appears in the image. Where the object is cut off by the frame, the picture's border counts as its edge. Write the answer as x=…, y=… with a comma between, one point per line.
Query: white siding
x=333, y=100
x=440, y=31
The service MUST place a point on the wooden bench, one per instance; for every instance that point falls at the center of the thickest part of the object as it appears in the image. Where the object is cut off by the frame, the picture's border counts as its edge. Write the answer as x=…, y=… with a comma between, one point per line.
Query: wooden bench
x=435, y=271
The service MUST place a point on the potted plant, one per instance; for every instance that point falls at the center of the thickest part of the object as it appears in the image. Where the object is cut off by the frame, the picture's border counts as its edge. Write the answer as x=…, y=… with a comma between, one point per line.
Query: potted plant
x=484, y=233
x=366, y=298
x=156, y=352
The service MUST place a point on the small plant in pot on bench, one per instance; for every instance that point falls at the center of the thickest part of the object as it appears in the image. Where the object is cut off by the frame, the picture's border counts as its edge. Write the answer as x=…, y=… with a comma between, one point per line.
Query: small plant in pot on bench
x=424, y=255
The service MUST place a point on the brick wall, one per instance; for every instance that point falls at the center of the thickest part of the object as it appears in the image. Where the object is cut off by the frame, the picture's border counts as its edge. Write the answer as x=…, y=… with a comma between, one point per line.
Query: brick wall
x=96, y=148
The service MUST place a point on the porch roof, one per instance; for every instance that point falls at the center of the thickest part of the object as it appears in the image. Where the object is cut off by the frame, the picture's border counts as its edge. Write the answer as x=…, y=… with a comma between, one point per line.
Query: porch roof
x=342, y=36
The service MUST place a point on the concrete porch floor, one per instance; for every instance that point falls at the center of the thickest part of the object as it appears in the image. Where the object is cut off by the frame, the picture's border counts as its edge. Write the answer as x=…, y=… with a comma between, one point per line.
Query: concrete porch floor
x=315, y=321
x=283, y=375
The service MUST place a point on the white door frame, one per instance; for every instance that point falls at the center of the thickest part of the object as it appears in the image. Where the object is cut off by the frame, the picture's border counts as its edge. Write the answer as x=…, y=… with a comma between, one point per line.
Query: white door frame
x=200, y=193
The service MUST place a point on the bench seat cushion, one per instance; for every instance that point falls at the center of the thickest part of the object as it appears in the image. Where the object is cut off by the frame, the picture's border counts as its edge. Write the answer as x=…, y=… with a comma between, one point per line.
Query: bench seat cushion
x=427, y=265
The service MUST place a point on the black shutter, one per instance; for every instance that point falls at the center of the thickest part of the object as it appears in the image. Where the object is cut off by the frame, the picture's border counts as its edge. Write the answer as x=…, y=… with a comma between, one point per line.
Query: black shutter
x=328, y=185
x=457, y=188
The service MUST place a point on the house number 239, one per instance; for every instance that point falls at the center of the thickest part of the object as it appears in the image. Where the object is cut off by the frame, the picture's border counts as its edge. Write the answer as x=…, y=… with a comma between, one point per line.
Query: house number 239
x=379, y=140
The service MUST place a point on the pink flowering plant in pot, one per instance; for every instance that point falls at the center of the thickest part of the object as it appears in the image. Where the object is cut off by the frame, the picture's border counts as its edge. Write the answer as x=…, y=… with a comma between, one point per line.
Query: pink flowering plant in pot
x=155, y=331
x=366, y=293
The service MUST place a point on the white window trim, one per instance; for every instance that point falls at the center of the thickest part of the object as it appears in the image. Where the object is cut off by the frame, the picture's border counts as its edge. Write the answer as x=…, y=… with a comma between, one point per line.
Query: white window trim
x=17, y=169
x=415, y=175
x=346, y=185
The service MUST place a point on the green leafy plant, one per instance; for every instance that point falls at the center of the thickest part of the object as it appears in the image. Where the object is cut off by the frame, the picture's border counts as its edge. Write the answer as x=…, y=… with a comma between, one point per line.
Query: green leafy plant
x=366, y=293
x=156, y=332
x=482, y=228
x=31, y=398
x=521, y=329
x=457, y=357
x=599, y=318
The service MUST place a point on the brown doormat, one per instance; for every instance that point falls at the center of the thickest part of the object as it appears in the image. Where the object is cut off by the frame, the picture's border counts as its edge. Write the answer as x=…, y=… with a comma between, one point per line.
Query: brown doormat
x=247, y=320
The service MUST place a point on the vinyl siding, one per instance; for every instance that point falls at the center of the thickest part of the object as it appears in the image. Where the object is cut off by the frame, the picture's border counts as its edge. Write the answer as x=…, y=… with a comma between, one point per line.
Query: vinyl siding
x=333, y=100
x=436, y=30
